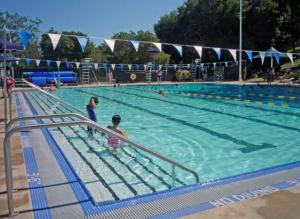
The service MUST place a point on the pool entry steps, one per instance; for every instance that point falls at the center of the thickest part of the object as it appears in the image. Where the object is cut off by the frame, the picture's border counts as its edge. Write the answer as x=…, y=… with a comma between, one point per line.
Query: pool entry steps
x=109, y=177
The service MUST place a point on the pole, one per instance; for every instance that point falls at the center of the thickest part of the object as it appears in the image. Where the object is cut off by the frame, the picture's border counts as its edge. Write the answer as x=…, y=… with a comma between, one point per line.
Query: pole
x=58, y=74
x=241, y=45
x=4, y=78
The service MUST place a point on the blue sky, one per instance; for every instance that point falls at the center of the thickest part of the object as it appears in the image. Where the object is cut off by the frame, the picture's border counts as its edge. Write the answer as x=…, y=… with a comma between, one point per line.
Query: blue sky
x=93, y=17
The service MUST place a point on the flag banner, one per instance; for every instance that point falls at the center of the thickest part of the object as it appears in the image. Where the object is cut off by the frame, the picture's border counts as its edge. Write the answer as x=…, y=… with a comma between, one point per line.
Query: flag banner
x=96, y=66
x=178, y=48
x=262, y=56
x=111, y=44
x=68, y=64
x=198, y=50
x=175, y=66
x=129, y=67
x=137, y=66
x=25, y=37
x=37, y=61
x=218, y=52
x=290, y=56
x=135, y=44
x=27, y=61
x=48, y=62
x=157, y=45
x=121, y=67
x=58, y=63
x=159, y=67
x=277, y=57
x=249, y=54
x=82, y=41
x=54, y=39
x=113, y=66
x=77, y=64
x=233, y=53
x=105, y=66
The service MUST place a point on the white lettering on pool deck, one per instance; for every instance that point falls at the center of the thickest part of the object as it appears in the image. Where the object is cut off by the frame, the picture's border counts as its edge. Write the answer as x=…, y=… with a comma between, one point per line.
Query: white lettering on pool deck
x=244, y=196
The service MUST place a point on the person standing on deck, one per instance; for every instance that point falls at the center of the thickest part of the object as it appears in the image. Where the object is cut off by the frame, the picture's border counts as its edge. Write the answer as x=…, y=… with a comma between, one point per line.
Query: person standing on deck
x=159, y=76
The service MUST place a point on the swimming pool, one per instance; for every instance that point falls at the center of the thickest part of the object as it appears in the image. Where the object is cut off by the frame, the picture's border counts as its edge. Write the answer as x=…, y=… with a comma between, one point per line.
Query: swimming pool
x=216, y=130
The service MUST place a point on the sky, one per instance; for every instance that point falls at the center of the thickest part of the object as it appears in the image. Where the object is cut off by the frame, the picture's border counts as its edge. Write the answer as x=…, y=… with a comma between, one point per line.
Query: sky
x=100, y=18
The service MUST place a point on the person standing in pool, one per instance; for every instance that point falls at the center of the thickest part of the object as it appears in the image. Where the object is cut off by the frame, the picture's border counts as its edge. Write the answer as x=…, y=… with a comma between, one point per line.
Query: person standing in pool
x=114, y=142
x=91, y=113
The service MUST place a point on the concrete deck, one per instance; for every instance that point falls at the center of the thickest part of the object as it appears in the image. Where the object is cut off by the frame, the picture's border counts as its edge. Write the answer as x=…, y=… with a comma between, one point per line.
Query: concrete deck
x=279, y=205
x=21, y=197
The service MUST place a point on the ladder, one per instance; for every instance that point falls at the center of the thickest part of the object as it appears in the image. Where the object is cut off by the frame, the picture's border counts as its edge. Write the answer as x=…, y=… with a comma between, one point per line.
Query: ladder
x=85, y=74
x=85, y=71
x=148, y=72
x=193, y=71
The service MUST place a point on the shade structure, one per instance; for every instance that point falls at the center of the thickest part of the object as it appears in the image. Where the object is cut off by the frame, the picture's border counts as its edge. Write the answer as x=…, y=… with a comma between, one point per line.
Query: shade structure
x=10, y=46
x=8, y=58
x=153, y=50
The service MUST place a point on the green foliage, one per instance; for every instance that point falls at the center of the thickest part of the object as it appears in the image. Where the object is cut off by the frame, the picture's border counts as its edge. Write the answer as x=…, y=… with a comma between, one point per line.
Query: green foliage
x=288, y=65
x=15, y=22
x=68, y=48
x=216, y=23
x=124, y=52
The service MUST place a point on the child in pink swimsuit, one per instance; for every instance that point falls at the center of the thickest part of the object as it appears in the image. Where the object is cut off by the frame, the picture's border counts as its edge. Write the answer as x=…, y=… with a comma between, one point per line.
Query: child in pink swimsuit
x=114, y=142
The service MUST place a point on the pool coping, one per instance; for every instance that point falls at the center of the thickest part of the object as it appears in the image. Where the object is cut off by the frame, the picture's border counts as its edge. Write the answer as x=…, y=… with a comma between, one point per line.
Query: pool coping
x=109, y=206
x=103, y=84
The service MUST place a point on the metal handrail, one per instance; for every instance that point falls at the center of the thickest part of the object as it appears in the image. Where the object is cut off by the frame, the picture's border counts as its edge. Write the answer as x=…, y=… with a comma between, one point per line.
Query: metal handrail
x=96, y=126
x=120, y=136
x=143, y=148
x=7, y=153
x=54, y=97
x=35, y=117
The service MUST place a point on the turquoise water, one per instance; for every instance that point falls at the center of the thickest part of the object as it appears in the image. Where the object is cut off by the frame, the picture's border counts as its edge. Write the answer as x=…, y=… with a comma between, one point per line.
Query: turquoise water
x=216, y=130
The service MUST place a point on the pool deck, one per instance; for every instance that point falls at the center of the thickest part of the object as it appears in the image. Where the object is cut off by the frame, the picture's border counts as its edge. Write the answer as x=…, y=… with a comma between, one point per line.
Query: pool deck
x=22, y=197
x=277, y=205
x=249, y=82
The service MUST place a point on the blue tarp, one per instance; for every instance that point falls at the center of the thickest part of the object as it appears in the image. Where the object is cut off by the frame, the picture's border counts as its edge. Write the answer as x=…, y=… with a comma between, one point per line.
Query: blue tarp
x=42, y=78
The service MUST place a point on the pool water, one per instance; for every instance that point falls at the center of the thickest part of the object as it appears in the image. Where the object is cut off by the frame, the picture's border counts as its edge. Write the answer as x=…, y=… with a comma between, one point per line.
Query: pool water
x=217, y=130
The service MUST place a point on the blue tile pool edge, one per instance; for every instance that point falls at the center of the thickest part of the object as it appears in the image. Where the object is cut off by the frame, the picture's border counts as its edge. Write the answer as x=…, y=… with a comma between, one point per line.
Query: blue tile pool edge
x=82, y=194
x=111, y=205
x=38, y=196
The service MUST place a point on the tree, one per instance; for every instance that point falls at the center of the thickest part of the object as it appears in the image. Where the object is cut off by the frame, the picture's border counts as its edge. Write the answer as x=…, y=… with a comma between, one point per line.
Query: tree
x=68, y=48
x=288, y=33
x=200, y=22
x=215, y=23
x=125, y=53
x=15, y=23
